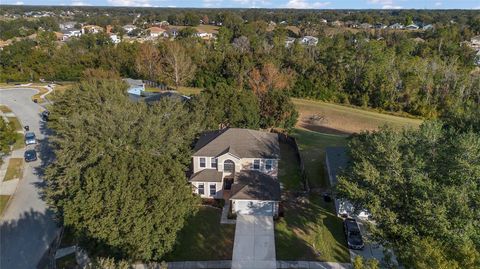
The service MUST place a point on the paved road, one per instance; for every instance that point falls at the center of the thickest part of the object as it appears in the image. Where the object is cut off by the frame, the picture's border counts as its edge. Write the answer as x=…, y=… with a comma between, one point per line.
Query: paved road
x=27, y=227
x=254, y=245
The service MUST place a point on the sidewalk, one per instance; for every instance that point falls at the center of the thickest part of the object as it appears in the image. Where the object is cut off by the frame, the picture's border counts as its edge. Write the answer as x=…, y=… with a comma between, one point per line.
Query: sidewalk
x=228, y=264
x=224, y=218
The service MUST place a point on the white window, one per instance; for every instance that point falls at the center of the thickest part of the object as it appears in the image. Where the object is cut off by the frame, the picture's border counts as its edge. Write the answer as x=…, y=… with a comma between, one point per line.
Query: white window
x=213, y=189
x=202, y=162
x=201, y=189
x=269, y=165
x=214, y=163
x=256, y=164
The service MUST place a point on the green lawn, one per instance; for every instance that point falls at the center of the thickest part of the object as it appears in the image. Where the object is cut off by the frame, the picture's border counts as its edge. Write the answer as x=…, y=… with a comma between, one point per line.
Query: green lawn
x=188, y=90
x=204, y=238
x=312, y=149
x=5, y=109
x=311, y=232
x=14, y=169
x=16, y=124
x=289, y=170
x=3, y=202
x=19, y=141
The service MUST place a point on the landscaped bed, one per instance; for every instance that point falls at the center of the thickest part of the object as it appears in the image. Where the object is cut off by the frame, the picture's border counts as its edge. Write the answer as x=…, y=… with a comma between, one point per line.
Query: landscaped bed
x=3, y=202
x=204, y=238
x=19, y=141
x=16, y=124
x=14, y=169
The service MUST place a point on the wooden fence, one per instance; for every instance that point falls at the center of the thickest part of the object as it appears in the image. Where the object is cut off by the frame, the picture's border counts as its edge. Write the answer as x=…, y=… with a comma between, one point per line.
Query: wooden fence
x=291, y=141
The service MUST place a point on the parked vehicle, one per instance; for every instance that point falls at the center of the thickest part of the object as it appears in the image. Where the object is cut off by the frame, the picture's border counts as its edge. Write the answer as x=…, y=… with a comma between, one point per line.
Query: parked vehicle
x=30, y=138
x=45, y=115
x=30, y=155
x=27, y=128
x=353, y=234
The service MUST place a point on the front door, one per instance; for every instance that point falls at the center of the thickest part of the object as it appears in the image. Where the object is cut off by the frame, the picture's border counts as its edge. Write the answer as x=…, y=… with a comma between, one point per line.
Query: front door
x=228, y=183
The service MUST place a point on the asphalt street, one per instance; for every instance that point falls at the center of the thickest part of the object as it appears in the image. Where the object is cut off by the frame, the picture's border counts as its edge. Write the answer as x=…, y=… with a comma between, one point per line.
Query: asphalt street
x=27, y=227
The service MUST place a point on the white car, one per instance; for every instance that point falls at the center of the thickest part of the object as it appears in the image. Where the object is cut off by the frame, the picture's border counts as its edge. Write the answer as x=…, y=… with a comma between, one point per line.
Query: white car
x=30, y=138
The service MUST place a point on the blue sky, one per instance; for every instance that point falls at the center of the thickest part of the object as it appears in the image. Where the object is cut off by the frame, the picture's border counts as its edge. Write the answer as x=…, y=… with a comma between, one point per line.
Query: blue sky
x=305, y=4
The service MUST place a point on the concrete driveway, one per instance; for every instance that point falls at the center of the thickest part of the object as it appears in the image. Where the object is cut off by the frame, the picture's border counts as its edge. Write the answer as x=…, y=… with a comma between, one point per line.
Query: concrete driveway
x=254, y=245
x=27, y=227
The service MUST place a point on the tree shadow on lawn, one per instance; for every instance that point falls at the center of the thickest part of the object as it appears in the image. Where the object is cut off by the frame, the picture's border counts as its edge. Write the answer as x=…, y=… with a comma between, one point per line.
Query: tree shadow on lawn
x=204, y=238
x=311, y=231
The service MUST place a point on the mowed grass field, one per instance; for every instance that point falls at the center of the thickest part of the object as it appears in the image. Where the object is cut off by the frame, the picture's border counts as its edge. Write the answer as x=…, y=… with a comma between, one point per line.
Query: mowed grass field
x=338, y=119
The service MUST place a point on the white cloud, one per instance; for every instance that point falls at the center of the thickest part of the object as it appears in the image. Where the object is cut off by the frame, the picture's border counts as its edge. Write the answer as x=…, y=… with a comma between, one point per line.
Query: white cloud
x=437, y=4
x=386, y=4
x=19, y=3
x=477, y=7
x=130, y=3
x=381, y=2
x=252, y=3
x=391, y=7
x=305, y=4
x=212, y=3
x=80, y=3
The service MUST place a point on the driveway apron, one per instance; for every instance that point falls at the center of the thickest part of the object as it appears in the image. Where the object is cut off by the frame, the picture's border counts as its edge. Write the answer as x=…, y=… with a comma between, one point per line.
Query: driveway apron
x=254, y=245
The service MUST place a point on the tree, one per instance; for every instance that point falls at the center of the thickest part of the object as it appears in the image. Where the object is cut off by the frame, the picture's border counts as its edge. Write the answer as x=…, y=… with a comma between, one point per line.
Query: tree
x=119, y=176
x=419, y=185
x=358, y=263
x=225, y=106
x=269, y=78
x=177, y=66
x=7, y=137
x=147, y=61
x=277, y=110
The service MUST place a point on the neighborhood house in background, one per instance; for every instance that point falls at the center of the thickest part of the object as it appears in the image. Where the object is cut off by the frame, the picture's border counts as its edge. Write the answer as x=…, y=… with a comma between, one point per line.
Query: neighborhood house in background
x=239, y=165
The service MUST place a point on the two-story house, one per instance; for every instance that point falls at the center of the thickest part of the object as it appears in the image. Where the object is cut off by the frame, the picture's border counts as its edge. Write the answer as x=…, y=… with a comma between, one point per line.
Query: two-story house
x=240, y=166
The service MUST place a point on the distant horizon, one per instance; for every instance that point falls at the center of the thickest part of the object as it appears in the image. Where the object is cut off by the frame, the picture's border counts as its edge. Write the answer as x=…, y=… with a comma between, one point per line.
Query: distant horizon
x=262, y=4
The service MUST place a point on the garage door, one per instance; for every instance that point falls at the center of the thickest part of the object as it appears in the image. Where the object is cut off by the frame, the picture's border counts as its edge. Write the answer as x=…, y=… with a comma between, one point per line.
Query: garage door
x=254, y=208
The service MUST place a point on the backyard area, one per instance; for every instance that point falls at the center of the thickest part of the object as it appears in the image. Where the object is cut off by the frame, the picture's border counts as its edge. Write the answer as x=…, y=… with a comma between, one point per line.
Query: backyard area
x=309, y=230
x=312, y=149
x=204, y=238
x=289, y=172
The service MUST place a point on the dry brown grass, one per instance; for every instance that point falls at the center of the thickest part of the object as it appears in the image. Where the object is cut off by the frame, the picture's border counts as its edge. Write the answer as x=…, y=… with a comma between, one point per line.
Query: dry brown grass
x=338, y=119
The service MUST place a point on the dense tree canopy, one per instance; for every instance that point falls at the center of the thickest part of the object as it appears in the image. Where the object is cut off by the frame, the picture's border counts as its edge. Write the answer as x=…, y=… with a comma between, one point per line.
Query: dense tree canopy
x=422, y=188
x=135, y=210
x=7, y=136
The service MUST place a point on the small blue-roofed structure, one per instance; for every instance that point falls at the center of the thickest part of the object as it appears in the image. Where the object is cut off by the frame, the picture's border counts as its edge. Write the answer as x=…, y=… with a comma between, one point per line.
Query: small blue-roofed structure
x=135, y=86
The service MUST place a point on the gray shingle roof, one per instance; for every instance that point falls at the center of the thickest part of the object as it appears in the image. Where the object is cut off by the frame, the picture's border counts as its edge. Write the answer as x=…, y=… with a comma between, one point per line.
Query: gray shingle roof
x=337, y=159
x=243, y=143
x=255, y=185
x=207, y=175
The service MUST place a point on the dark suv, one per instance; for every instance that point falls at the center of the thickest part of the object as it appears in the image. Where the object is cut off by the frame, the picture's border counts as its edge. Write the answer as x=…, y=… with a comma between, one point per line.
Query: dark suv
x=353, y=234
x=30, y=155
